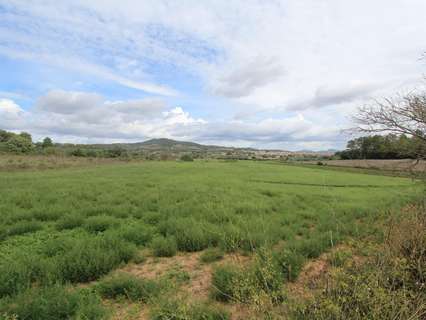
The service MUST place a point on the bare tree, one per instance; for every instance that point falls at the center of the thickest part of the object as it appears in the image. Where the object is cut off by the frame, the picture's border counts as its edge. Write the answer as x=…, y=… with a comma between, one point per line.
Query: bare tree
x=406, y=115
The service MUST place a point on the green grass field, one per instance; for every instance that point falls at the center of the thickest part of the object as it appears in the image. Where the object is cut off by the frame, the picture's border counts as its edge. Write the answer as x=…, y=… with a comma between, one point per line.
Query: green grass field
x=69, y=226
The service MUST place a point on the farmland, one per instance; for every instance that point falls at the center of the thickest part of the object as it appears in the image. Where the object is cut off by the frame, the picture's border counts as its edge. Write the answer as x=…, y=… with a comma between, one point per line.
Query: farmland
x=115, y=239
x=388, y=165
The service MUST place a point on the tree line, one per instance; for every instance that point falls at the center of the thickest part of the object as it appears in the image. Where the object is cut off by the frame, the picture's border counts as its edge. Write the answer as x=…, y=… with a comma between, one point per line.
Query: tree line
x=390, y=146
x=22, y=143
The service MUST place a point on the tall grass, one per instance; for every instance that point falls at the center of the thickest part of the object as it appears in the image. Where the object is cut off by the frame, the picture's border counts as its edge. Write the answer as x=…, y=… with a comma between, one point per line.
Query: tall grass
x=78, y=225
x=53, y=303
x=90, y=258
x=128, y=286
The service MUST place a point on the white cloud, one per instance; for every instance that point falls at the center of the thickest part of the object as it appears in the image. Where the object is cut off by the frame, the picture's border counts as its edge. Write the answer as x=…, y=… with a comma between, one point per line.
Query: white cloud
x=10, y=114
x=87, y=117
x=9, y=108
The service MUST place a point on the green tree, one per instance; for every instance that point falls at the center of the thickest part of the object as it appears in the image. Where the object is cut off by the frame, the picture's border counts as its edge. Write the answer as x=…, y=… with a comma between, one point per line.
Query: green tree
x=47, y=143
x=18, y=144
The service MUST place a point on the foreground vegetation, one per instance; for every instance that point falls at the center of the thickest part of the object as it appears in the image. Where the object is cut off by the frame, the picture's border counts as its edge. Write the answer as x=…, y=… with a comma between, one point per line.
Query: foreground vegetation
x=64, y=228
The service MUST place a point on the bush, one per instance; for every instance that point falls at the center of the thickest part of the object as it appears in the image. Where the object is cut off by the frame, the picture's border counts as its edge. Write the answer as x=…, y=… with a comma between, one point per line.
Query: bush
x=211, y=255
x=138, y=234
x=172, y=309
x=50, y=303
x=224, y=279
x=69, y=222
x=53, y=303
x=90, y=258
x=46, y=215
x=164, y=247
x=97, y=224
x=127, y=286
x=190, y=234
x=19, y=271
x=90, y=307
x=290, y=262
x=206, y=312
x=389, y=285
x=23, y=227
x=186, y=157
x=313, y=247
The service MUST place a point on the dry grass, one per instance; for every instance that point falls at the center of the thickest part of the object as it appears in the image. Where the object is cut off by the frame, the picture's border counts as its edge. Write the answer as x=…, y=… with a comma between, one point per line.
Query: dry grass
x=39, y=162
x=390, y=165
x=197, y=288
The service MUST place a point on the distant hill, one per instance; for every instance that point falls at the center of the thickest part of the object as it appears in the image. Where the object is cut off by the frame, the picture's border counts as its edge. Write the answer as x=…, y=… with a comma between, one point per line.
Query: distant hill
x=164, y=145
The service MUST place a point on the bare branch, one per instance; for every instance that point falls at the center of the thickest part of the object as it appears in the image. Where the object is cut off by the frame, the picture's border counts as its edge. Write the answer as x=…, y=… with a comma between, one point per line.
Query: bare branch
x=406, y=115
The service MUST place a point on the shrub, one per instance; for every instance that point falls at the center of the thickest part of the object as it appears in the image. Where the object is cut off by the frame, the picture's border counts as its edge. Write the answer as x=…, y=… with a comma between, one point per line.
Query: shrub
x=22, y=227
x=211, y=255
x=164, y=246
x=290, y=262
x=224, y=279
x=138, y=234
x=50, y=303
x=90, y=307
x=19, y=270
x=191, y=235
x=186, y=157
x=151, y=217
x=90, y=258
x=53, y=303
x=69, y=221
x=339, y=257
x=389, y=285
x=57, y=246
x=128, y=286
x=46, y=215
x=173, y=309
x=96, y=224
x=206, y=312
x=313, y=247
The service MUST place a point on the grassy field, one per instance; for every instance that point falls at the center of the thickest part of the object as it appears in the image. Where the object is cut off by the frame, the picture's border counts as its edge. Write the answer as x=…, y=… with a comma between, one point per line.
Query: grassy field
x=62, y=230
x=388, y=164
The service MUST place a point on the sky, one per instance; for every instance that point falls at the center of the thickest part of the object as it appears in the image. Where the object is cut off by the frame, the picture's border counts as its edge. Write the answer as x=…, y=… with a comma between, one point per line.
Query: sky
x=266, y=74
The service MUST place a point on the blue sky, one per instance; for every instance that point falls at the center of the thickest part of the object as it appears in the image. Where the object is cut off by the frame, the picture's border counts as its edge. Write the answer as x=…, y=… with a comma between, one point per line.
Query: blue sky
x=266, y=74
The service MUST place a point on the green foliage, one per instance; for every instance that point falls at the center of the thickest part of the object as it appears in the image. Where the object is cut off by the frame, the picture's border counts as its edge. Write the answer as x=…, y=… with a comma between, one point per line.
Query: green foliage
x=170, y=308
x=90, y=307
x=53, y=303
x=186, y=157
x=50, y=303
x=290, y=262
x=190, y=234
x=69, y=221
x=128, y=286
x=164, y=246
x=137, y=233
x=47, y=143
x=46, y=215
x=390, y=146
x=90, y=258
x=22, y=227
x=211, y=255
x=224, y=279
x=18, y=144
x=20, y=270
x=390, y=285
x=258, y=284
x=99, y=223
